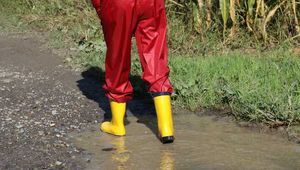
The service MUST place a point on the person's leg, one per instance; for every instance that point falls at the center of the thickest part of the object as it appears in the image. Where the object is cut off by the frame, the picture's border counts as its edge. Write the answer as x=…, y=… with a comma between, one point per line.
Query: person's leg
x=97, y=6
x=116, y=19
x=152, y=46
x=117, y=24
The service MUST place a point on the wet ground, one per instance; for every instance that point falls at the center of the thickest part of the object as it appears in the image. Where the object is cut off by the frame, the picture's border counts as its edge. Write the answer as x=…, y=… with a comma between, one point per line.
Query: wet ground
x=49, y=116
x=201, y=143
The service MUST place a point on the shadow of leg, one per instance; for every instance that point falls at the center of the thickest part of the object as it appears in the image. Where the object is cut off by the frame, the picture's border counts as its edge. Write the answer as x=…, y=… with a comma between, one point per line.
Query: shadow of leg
x=144, y=110
x=142, y=107
x=91, y=86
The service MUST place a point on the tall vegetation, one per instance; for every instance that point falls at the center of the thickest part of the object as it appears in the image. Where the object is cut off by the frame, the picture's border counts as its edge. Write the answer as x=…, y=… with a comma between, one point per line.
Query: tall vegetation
x=195, y=25
x=269, y=21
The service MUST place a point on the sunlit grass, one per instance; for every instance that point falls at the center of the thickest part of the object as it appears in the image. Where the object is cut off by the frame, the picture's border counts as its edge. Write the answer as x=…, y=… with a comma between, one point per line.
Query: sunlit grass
x=259, y=88
x=255, y=88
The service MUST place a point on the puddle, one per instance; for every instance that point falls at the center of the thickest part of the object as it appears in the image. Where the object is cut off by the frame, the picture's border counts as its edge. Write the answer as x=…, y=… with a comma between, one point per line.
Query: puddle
x=201, y=143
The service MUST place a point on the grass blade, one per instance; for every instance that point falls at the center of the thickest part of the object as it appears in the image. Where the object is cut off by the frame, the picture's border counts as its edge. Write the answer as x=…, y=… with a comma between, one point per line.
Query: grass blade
x=233, y=18
x=296, y=18
x=224, y=12
x=208, y=13
x=268, y=18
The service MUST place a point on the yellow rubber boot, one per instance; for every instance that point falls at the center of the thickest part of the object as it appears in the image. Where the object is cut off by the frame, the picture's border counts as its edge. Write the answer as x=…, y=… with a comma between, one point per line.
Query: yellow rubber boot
x=116, y=125
x=164, y=118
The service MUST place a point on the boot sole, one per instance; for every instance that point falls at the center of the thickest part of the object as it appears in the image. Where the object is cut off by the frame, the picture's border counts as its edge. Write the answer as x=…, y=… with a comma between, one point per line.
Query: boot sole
x=112, y=133
x=167, y=139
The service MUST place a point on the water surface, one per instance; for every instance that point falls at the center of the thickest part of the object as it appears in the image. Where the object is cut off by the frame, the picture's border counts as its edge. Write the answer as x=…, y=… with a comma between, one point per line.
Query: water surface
x=201, y=143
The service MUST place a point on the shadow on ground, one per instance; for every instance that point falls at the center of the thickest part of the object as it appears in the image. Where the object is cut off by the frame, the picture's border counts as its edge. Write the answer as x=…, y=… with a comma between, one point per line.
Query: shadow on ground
x=141, y=106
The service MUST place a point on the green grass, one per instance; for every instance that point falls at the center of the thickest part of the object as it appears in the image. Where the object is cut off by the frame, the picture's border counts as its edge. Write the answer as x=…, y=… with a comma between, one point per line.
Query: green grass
x=259, y=89
x=258, y=86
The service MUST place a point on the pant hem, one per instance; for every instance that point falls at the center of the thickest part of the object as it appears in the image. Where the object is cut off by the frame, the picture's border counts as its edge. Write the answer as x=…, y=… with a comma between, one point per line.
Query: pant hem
x=155, y=94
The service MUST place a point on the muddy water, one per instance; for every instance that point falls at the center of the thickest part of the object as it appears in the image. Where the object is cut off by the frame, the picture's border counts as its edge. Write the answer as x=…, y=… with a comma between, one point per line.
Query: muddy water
x=201, y=143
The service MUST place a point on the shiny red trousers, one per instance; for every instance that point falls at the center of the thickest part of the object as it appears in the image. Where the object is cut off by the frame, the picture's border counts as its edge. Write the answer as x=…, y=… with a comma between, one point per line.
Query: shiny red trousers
x=146, y=19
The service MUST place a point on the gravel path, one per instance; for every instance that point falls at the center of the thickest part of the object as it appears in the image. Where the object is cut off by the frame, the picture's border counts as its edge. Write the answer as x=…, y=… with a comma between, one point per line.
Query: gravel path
x=40, y=102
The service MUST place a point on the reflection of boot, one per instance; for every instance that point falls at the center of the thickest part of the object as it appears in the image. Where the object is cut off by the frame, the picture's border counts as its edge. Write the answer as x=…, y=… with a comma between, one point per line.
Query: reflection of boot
x=166, y=160
x=121, y=154
x=116, y=125
x=164, y=118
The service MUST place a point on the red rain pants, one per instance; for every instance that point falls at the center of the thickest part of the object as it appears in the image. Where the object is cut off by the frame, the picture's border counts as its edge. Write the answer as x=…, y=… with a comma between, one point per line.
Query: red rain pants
x=146, y=19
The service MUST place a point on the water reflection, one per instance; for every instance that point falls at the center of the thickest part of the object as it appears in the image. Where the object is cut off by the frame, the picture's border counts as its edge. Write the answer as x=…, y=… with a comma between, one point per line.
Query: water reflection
x=198, y=141
x=166, y=160
x=121, y=154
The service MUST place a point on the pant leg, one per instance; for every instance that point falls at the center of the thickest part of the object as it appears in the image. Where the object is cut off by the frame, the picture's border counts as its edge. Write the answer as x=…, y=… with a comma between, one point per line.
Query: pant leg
x=151, y=40
x=117, y=19
x=97, y=6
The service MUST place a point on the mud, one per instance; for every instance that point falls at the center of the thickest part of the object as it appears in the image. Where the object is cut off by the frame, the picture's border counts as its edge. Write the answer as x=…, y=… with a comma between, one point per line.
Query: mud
x=201, y=143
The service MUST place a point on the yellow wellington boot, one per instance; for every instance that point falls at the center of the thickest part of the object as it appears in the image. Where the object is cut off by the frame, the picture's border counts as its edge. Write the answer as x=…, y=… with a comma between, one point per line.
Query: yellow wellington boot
x=116, y=125
x=164, y=118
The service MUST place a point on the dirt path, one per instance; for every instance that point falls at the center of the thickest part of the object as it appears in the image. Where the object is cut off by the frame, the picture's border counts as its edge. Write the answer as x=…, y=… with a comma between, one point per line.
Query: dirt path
x=49, y=116
x=40, y=102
